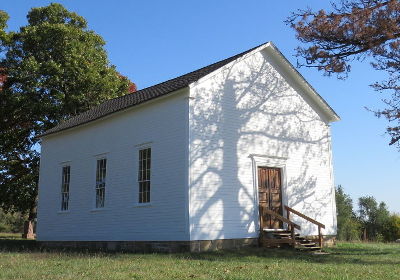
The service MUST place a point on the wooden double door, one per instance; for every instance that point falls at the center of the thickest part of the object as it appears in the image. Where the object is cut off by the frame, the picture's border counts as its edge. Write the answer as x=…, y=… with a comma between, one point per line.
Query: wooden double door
x=270, y=195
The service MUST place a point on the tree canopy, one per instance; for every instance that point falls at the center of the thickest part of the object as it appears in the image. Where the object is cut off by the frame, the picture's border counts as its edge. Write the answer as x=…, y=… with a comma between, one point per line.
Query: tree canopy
x=348, y=226
x=371, y=222
x=355, y=30
x=55, y=68
x=373, y=216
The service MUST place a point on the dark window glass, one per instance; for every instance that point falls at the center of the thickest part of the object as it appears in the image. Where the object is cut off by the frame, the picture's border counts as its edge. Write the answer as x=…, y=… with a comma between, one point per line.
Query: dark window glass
x=144, y=175
x=66, y=171
x=101, y=182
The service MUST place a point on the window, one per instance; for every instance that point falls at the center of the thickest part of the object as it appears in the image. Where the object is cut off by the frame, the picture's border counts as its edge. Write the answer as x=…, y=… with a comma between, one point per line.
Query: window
x=66, y=171
x=144, y=175
x=100, y=182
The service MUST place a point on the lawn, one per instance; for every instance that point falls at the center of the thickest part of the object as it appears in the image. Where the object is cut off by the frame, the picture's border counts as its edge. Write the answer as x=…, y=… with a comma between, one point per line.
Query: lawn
x=21, y=259
x=10, y=236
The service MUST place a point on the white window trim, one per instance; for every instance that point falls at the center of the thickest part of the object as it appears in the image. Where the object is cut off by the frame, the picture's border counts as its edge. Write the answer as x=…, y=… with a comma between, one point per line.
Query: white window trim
x=97, y=157
x=273, y=162
x=144, y=145
x=94, y=210
x=143, y=205
x=137, y=204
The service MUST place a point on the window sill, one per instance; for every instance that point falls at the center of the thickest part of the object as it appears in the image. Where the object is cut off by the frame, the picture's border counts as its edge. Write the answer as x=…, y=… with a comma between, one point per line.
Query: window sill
x=63, y=212
x=140, y=205
x=94, y=210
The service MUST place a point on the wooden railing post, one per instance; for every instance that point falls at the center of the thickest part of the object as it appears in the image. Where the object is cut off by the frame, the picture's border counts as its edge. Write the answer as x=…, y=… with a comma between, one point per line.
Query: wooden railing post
x=288, y=217
x=261, y=211
x=293, y=237
x=320, y=236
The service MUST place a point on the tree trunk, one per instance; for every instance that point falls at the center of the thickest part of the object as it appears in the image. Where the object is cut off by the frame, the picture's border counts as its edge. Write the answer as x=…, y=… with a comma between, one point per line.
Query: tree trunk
x=29, y=232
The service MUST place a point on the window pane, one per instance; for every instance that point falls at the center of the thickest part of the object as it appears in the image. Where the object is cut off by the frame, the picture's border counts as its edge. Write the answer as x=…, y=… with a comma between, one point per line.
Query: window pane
x=101, y=182
x=65, y=179
x=144, y=175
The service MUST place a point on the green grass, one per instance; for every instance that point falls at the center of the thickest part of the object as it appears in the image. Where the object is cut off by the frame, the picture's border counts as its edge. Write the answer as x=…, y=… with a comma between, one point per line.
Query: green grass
x=20, y=259
x=10, y=236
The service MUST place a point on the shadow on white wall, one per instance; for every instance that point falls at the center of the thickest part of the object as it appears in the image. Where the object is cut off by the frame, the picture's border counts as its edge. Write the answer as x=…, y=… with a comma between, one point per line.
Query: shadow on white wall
x=249, y=108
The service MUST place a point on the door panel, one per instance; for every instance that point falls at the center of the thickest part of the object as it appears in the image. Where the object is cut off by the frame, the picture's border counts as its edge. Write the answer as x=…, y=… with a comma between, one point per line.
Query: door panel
x=270, y=195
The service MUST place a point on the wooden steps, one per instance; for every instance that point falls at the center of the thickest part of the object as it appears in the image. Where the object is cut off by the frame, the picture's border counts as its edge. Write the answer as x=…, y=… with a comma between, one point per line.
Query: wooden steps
x=283, y=238
x=305, y=244
x=271, y=237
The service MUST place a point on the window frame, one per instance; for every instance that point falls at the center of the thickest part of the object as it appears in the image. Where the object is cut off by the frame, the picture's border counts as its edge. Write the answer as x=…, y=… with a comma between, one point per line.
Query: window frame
x=144, y=176
x=98, y=182
x=62, y=190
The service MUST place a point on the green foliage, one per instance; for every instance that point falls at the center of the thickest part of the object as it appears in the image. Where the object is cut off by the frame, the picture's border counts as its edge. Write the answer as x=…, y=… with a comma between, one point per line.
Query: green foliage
x=11, y=222
x=348, y=227
x=373, y=217
x=56, y=68
x=3, y=25
x=391, y=229
x=373, y=222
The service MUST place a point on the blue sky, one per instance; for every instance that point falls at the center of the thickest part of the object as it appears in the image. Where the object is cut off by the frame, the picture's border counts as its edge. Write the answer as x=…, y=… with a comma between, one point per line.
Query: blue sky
x=152, y=41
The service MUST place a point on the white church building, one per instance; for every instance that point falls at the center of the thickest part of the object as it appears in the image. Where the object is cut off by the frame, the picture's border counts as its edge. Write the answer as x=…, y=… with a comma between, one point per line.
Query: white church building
x=185, y=165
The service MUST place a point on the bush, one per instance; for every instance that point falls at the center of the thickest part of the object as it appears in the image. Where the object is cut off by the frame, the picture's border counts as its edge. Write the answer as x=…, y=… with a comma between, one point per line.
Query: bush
x=11, y=222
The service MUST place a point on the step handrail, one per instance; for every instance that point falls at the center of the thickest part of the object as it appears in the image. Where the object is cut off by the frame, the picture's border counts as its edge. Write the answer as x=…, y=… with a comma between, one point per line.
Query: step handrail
x=291, y=224
x=304, y=216
x=320, y=225
x=281, y=218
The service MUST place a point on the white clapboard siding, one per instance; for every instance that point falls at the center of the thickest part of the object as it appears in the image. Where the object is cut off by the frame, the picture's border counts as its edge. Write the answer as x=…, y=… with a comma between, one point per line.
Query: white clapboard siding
x=163, y=123
x=251, y=112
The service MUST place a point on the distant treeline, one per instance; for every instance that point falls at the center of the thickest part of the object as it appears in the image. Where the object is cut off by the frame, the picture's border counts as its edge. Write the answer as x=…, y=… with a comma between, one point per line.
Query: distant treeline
x=372, y=221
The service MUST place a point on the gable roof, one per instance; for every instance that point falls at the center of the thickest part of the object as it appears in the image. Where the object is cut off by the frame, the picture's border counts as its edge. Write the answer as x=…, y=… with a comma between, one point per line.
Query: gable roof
x=129, y=100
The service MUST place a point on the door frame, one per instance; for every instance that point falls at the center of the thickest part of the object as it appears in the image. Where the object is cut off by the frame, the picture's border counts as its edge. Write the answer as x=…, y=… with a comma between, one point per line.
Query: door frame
x=273, y=162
